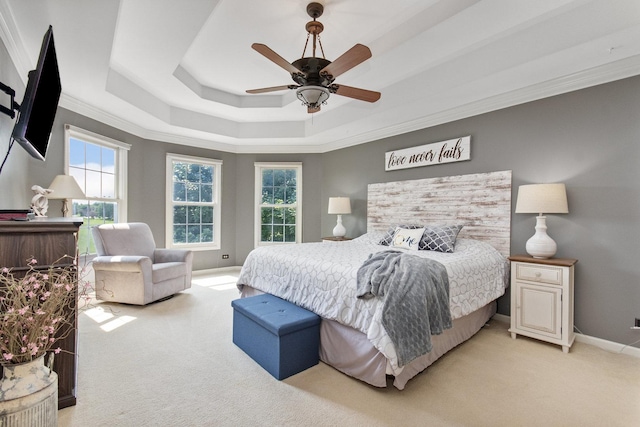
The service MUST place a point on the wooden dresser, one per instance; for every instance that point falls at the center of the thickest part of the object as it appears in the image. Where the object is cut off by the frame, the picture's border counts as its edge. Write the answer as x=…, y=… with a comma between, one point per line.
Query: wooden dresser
x=47, y=241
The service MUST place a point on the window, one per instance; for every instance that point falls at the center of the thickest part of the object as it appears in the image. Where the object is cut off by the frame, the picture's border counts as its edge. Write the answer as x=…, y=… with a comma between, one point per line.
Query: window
x=193, y=210
x=99, y=165
x=278, y=203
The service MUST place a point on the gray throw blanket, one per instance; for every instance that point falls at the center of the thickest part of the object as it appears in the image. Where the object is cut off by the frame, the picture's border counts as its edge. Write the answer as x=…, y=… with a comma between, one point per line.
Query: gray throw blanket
x=416, y=299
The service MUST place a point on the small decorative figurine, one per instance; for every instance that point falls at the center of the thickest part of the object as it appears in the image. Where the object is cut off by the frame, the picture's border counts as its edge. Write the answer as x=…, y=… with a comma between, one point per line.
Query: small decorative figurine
x=39, y=202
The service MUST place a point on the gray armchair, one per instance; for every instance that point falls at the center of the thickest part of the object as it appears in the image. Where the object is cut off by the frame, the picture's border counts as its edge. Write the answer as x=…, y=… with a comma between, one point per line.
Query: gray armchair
x=130, y=269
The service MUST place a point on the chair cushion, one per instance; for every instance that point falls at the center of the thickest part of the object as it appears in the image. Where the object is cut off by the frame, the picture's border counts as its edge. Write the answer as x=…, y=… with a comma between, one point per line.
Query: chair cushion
x=167, y=270
x=133, y=238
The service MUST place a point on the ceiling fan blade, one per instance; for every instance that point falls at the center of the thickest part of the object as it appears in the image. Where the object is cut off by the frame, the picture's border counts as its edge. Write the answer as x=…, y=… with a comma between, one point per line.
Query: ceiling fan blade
x=268, y=53
x=354, y=56
x=271, y=89
x=356, y=93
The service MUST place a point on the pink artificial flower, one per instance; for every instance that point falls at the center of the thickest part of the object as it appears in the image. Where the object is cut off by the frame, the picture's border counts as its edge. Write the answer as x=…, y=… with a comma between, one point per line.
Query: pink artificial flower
x=7, y=356
x=33, y=261
x=5, y=270
x=45, y=277
x=57, y=350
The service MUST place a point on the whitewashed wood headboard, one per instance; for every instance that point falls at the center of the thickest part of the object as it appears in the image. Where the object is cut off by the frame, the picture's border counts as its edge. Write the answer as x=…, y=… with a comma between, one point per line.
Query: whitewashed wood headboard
x=482, y=202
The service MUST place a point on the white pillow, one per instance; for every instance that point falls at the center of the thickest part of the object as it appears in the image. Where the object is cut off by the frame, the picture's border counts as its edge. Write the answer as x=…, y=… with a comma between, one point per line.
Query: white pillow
x=407, y=238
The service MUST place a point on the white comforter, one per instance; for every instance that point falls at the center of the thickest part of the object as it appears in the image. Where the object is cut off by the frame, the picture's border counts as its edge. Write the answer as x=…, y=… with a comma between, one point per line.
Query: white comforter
x=321, y=277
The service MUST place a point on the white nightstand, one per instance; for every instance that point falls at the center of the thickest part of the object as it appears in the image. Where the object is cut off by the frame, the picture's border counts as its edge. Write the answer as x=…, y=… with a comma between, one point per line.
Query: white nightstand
x=335, y=239
x=542, y=299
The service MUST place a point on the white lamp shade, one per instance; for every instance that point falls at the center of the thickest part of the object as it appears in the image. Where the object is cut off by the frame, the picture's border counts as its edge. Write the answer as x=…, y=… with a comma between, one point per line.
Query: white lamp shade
x=542, y=198
x=65, y=187
x=339, y=205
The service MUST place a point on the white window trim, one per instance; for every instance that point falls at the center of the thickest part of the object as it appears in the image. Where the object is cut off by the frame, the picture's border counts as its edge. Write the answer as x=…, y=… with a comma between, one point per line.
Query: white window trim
x=217, y=215
x=259, y=166
x=121, y=151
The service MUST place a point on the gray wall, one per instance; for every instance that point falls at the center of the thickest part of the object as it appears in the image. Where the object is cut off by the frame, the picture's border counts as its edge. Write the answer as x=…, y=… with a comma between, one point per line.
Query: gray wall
x=14, y=183
x=245, y=196
x=146, y=179
x=588, y=139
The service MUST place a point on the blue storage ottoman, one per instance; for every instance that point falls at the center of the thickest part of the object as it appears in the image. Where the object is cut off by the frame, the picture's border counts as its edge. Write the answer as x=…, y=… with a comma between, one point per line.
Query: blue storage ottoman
x=282, y=337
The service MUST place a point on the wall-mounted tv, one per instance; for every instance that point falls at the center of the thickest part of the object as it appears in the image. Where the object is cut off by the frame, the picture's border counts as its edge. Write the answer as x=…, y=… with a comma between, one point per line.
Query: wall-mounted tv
x=38, y=109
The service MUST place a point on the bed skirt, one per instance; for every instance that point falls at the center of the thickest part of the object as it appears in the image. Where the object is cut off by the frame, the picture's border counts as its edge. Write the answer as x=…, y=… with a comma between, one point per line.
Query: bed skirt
x=350, y=352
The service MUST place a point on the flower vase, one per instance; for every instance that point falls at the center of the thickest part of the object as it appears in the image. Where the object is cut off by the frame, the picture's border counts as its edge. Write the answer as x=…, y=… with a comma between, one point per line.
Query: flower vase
x=29, y=395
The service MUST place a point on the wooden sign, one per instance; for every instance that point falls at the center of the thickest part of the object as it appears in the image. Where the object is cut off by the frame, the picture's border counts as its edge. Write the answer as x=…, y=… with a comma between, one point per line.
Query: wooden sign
x=453, y=150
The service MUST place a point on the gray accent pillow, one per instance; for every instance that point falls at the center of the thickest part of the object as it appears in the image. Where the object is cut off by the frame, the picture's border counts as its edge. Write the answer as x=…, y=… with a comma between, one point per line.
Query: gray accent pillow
x=441, y=238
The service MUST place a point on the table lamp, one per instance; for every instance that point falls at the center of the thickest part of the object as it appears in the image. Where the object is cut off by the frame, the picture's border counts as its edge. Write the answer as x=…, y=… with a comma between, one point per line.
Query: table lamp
x=339, y=206
x=65, y=187
x=541, y=198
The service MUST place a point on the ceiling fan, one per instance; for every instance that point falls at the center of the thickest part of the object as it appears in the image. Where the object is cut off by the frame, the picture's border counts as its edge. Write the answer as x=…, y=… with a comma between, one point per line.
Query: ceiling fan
x=315, y=76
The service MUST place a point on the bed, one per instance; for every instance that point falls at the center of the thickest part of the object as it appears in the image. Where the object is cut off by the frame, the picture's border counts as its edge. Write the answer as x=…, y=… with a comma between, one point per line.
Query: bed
x=321, y=277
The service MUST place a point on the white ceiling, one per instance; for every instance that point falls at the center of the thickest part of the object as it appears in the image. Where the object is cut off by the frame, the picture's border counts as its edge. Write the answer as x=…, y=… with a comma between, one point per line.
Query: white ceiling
x=177, y=71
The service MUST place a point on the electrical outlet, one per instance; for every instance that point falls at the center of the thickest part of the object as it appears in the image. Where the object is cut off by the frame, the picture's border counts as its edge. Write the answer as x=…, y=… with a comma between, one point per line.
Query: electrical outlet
x=226, y=256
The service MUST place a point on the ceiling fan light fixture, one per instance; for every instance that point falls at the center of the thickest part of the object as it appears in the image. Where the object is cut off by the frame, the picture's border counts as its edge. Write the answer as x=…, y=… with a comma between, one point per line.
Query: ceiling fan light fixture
x=313, y=96
x=314, y=76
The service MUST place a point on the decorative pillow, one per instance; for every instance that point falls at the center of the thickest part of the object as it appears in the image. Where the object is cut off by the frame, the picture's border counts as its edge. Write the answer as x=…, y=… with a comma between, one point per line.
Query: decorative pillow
x=441, y=238
x=388, y=237
x=407, y=238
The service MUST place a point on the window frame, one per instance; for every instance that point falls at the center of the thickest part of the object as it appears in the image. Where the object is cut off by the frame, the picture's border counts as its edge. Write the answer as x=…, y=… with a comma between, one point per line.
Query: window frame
x=216, y=202
x=121, y=151
x=259, y=167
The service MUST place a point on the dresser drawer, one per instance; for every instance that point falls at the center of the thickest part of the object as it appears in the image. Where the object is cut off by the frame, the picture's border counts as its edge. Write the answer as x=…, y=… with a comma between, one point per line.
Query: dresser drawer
x=539, y=273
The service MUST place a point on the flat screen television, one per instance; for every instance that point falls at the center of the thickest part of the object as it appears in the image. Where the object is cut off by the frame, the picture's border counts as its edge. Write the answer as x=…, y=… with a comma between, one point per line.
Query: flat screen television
x=38, y=109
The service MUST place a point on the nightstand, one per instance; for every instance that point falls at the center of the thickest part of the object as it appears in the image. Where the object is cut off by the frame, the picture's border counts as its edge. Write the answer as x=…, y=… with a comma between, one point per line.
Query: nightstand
x=335, y=239
x=542, y=299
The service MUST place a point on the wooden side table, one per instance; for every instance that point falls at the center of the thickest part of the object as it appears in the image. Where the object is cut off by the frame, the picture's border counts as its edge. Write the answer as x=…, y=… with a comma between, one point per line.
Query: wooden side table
x=336, y=239
x=542, y=299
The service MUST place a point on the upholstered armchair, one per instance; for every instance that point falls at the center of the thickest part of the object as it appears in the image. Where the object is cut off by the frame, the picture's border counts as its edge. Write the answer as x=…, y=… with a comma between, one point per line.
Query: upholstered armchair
x=130, y=269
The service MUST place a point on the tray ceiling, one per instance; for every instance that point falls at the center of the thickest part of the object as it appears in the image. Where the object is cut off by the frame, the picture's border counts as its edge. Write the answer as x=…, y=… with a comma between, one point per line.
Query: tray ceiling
x=177, y=71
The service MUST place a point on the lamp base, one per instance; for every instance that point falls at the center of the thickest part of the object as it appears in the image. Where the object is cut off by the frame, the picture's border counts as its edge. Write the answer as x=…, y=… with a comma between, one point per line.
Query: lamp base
x=339, y=230
x=540, y=245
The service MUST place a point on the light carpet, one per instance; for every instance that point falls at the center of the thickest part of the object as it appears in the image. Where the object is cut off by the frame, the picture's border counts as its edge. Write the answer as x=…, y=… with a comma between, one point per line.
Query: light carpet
x=173, y=363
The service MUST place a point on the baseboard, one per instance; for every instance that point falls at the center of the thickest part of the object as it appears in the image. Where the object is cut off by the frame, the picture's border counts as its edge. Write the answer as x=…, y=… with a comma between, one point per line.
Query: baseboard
x=208, y=271
x=611, y=346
